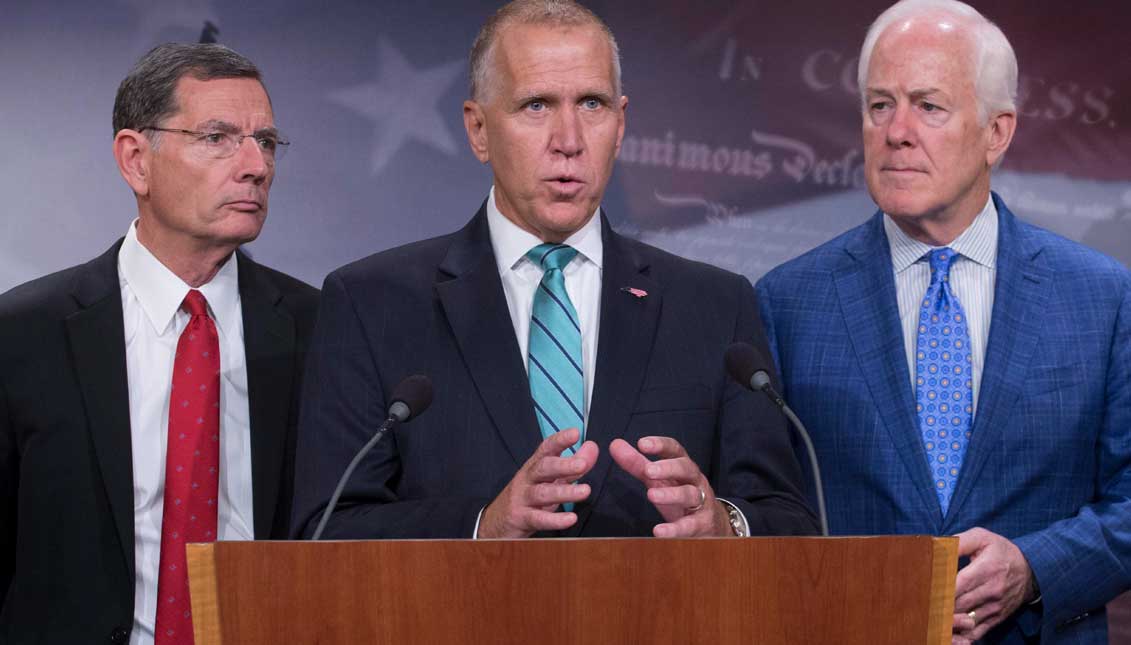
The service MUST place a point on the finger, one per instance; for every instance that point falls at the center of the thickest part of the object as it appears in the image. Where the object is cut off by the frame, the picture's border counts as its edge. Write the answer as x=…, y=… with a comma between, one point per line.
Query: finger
x=588, y=452
x=973, y=575
x=540, y=520
x=963, y=624
x=681, y=470
x=663, y=447
x=687, y=526
x=686, y=496
x=629, y=458
x=979, y=598
x=555, y=444
x=548, y=469
x=542, y=495
x=973, y=540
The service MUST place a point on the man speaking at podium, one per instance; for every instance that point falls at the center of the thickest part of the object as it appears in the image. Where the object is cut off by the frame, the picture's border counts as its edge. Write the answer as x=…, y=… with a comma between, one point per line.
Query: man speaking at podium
x=961, y=371
x=579, y=378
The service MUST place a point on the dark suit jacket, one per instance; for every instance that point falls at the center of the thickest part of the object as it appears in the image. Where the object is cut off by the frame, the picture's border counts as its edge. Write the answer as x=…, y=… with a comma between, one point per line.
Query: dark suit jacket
x=437, y=308
x=66, y=477
x=1049, y=461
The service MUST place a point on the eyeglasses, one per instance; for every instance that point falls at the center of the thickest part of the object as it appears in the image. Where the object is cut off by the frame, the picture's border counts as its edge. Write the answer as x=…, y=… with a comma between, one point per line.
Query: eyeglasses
x=221, y=145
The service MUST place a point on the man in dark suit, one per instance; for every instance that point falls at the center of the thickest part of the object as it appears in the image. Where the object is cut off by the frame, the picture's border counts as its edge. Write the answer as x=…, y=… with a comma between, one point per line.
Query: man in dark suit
x=505, y=317
x=149, y=396
x=962, y=371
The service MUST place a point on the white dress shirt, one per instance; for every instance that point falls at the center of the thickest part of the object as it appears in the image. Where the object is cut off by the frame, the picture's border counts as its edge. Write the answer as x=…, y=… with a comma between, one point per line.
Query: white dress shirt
x=972, y=278
x=151, y=300
x=520, y=279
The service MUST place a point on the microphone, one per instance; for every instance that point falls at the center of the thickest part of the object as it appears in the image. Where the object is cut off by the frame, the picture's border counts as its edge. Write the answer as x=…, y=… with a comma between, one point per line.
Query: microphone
x=749, y=368
x=410, y=397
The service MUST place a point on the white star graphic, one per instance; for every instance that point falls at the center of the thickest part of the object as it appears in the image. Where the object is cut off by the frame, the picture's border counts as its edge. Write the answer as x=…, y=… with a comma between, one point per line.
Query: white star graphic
x=154, y=16
x=402, y=103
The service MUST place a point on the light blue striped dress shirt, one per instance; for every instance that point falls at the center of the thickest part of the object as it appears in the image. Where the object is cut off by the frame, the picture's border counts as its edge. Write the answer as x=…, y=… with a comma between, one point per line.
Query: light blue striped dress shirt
x=972, y=279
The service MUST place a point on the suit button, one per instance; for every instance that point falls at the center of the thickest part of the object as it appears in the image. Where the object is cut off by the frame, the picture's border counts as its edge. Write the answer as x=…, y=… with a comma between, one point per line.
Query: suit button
x=119, y=636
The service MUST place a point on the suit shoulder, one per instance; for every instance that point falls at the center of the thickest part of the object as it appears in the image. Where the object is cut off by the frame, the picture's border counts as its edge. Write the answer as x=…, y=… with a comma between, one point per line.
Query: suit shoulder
x=416, y=259
x=1071, y=259
x=814, y=263
x=46, y=295
x=673, y=267
x=288, y=285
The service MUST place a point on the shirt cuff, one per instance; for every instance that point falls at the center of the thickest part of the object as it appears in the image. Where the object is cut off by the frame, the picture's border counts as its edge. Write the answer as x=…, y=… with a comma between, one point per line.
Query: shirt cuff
x=475, y=533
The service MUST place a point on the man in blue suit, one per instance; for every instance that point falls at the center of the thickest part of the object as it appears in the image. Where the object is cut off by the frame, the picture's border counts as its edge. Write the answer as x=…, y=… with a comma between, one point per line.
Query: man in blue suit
x=505, y=316
x=962, y=371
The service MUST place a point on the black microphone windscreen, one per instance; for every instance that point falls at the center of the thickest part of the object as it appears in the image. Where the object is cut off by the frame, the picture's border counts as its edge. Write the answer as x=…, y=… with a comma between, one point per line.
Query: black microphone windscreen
x=742, y=361
x=415, y=392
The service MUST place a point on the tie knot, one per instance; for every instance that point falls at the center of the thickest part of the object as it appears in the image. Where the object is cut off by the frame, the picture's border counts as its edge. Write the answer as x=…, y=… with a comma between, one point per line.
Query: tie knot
x=941, y=259
x=195, y=303
x=551, y=256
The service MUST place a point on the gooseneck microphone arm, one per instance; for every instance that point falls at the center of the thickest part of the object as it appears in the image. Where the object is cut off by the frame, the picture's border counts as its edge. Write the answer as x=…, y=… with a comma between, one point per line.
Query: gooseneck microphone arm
x=411, y=397
x=746, y=366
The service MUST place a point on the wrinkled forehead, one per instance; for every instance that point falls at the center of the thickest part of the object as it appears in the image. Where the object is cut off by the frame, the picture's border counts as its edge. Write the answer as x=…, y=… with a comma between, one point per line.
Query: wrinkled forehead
x=928, y=46
x=239, y=101
x=532, y=51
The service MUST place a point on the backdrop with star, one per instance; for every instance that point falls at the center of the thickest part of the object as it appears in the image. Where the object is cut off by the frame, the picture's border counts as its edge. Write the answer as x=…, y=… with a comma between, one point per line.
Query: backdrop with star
x=742, y=147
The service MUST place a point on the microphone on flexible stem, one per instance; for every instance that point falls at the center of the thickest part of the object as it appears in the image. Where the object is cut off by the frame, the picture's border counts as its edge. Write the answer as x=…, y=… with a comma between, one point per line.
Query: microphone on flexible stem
x=410, y=397
x=747, y=366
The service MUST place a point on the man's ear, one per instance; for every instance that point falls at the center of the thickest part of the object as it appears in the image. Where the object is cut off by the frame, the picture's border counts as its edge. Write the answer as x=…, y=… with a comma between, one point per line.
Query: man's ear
x=1001, y=129
x=132, y=151
x=475, y=122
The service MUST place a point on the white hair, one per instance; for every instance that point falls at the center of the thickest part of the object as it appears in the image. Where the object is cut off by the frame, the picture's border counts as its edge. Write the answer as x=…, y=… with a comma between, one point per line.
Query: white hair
x=994, y=63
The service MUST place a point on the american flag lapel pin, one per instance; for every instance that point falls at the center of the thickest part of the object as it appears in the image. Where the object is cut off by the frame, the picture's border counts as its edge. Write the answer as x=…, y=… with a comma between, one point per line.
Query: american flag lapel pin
x=639, y=293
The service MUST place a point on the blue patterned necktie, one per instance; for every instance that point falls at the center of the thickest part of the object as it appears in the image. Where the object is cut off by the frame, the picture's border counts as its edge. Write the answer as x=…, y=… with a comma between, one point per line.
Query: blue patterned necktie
x=554, y=353
x=943, y=379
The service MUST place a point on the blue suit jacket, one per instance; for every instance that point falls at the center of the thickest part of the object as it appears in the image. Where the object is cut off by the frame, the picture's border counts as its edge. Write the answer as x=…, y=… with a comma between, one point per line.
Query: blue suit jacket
x=437, y=307
x=1049, y=461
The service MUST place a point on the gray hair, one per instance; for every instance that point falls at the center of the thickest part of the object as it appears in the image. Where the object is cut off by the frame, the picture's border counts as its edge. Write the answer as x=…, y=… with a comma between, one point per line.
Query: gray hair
x=148, y=93
x=557, y=13
x=994, y=63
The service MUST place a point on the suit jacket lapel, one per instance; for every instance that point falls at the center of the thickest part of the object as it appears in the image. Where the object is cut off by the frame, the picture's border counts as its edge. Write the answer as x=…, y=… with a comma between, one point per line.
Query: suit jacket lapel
x=1015, y=330
x=866, y=289
x=471, y=294
x=626, y=337
x=269, y=339
x=96, y=335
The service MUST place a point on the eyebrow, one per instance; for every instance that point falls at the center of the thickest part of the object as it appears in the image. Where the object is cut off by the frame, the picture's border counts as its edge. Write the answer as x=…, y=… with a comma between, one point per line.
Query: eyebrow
x=217, y=125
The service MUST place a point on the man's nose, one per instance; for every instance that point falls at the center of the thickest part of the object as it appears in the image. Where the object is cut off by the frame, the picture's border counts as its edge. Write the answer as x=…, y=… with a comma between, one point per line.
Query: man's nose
x=568, y=137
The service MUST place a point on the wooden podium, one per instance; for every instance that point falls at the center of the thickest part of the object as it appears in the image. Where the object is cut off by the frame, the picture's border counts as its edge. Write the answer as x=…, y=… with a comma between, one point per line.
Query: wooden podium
x=867, y=590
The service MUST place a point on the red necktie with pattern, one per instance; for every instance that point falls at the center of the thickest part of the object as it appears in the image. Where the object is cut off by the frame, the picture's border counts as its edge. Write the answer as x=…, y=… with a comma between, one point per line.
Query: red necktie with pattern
x=192, y=467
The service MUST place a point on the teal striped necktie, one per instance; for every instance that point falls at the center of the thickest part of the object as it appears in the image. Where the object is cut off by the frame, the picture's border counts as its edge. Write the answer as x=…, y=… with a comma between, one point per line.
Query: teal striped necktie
x=557, y=381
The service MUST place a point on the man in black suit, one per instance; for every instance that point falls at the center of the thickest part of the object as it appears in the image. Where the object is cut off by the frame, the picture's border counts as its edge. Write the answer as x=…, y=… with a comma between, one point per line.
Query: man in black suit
x=171, y=348
x=505, y=316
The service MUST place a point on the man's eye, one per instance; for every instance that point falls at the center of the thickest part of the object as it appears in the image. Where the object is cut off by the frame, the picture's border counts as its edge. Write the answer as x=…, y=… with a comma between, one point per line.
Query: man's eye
x=877, y=106
x=267, y=143
x=215, y=138
x=929, y=107
x=591, y=103
x=536, y=106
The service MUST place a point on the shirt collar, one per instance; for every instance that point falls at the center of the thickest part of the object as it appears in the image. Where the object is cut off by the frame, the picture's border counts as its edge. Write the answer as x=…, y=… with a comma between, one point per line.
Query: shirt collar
x=160, y=292
x=511, y=242
x=977, y=243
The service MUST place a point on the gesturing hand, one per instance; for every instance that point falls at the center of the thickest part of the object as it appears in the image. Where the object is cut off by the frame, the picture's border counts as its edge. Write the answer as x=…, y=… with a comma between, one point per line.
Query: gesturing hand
x=529, y=501
x=676, y=486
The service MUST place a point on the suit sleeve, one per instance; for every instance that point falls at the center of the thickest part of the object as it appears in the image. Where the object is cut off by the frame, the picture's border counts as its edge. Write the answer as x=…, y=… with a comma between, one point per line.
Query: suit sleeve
x=343, y=406
x=1082, y=562
x=9, y=489
x=760, y=471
